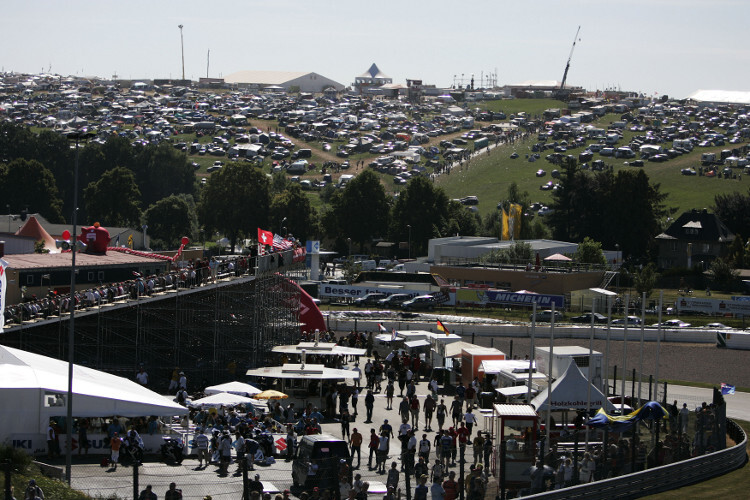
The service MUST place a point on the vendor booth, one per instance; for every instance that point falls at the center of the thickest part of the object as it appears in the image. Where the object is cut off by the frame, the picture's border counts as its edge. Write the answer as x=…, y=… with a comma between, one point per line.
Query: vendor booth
x=516, y=433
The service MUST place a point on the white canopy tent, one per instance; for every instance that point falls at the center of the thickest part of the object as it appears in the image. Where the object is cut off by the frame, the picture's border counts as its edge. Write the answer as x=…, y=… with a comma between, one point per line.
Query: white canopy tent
x=238, y=388
x=570, y=391
x=225, y=399
x=34, y=389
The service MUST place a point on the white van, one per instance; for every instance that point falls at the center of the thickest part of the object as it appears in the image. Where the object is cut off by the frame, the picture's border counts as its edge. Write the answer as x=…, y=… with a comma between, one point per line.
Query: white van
x=366, y=265
x=344, y=179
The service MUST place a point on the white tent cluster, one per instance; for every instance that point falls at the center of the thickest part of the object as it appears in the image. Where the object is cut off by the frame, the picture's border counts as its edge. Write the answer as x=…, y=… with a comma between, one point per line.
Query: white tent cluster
x=34, y=388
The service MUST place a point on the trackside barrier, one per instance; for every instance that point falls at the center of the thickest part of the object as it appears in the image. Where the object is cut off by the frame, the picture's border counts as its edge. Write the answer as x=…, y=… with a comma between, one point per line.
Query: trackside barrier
x=696, y=336
x=664, y=478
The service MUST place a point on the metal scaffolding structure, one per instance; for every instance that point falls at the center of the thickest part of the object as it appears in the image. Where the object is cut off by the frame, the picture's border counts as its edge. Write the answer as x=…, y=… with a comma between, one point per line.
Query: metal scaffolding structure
x=213, y=333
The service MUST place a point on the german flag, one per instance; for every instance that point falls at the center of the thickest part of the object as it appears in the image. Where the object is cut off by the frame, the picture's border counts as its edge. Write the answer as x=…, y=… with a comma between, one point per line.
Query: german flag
x=442, y=328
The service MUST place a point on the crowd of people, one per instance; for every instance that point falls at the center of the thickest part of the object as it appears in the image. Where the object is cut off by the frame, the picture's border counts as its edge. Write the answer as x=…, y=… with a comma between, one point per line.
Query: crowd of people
x=195, y=273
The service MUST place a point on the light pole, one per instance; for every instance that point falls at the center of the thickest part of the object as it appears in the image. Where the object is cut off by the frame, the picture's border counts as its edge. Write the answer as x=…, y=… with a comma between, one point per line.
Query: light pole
x=619, y=262
x=78, y=134
x=408, y=226
x=349, y=240
x=182, y=47
x=8, y=207
x=281, y=226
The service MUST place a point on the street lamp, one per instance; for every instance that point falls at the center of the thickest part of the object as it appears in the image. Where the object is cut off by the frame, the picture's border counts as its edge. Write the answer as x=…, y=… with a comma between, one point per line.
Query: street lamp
x=182, y=47
x=77, y=135
x=349, y=240
x=408, y=226
x=281, y=226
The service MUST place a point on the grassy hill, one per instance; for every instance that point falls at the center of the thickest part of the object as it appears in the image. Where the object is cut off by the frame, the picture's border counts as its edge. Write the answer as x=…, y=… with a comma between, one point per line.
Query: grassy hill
x=489, y=176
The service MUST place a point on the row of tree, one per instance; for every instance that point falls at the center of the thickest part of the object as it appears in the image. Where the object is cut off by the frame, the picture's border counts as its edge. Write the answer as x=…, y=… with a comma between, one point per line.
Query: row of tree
x=126, y=185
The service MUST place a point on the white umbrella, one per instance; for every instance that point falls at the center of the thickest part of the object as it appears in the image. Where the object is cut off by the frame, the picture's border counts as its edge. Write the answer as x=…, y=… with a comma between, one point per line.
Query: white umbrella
x=558, y=257
x=222, y=399
x=239, y=388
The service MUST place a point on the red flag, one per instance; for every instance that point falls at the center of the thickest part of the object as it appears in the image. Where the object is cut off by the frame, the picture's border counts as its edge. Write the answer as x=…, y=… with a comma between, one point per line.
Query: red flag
x=265, y=237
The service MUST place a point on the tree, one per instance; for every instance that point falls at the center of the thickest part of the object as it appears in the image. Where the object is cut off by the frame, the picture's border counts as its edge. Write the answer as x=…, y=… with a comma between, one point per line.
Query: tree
x=301, y=217
x=518, y=252
x=723, y=274
x=733, y=209
x=171, y=218
x=162, y=170
x=645, y=279
x=425, y=209
x=29, y=184
x=360, y=211
x=114, y=200
x=235, y=201
x=590, y=252
x=622, y=209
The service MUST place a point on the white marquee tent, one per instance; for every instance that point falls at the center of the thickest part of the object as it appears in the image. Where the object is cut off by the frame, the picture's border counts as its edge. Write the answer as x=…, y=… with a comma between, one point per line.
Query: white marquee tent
x=239, y=388
x=571, y=391
x=34, y=388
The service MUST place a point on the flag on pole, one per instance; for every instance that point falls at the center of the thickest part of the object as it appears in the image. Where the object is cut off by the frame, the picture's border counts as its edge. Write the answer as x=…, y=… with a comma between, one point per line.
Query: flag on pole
x=393, y=334
x=280, y=243
x=504, y=226
x=382, y=328
x=727, y=389
x=265, y=237
x=441, y=328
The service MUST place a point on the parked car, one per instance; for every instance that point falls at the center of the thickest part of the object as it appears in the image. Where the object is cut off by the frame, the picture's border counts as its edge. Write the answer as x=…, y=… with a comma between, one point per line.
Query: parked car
x=469, y=200
x=420, y=302
x=586, y=318
x=370, y=299
x=394, y=300
x=546, y=316
x=673, y=323
x=632, y=320
x=318, y=460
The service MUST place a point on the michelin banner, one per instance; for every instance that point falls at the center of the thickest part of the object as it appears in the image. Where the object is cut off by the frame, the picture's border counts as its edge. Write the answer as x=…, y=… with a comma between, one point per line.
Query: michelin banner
x=473, y=295
x=713, y=306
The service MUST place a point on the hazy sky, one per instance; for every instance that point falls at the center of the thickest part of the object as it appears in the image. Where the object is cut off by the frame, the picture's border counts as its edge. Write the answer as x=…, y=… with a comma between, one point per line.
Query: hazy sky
x=667, y=46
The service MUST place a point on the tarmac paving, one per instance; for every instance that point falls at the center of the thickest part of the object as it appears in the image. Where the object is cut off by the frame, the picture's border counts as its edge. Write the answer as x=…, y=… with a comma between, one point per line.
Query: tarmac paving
x=197, y=482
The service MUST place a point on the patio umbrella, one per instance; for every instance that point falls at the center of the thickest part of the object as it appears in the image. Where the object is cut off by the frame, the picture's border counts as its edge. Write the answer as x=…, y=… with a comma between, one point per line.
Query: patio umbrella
x=270, y=394
x=222, y=399
x=239, y=388
x=558, y=257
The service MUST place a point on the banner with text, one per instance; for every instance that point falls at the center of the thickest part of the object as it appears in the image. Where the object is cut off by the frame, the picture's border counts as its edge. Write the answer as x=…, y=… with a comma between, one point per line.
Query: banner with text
x=354, y=291
x=480, y=296
x=713, y=306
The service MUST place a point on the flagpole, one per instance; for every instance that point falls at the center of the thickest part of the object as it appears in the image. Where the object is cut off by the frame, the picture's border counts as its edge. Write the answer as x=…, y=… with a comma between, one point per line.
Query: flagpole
x=658, y=349
x=531, y=356
x=640, y=363
x=624, y=354
x=606, y=348
x=590, y=377
x=549, y=379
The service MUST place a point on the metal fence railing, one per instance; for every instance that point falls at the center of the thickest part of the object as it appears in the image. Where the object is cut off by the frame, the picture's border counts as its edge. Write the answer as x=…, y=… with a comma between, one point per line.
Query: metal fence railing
x=662, y=478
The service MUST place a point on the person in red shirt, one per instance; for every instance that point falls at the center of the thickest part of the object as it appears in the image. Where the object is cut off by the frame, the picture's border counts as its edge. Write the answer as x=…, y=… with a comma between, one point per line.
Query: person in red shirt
x=463, y=438
x=115, y=444
x=373, y=446
x=451, y=487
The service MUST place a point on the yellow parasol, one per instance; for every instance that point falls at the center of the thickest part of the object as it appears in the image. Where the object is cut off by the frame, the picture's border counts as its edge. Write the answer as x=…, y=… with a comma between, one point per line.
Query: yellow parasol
x=270, y=394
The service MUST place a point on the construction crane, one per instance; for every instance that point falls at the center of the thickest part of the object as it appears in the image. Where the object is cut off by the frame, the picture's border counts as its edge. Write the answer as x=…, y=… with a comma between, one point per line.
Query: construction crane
x=567, y=66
